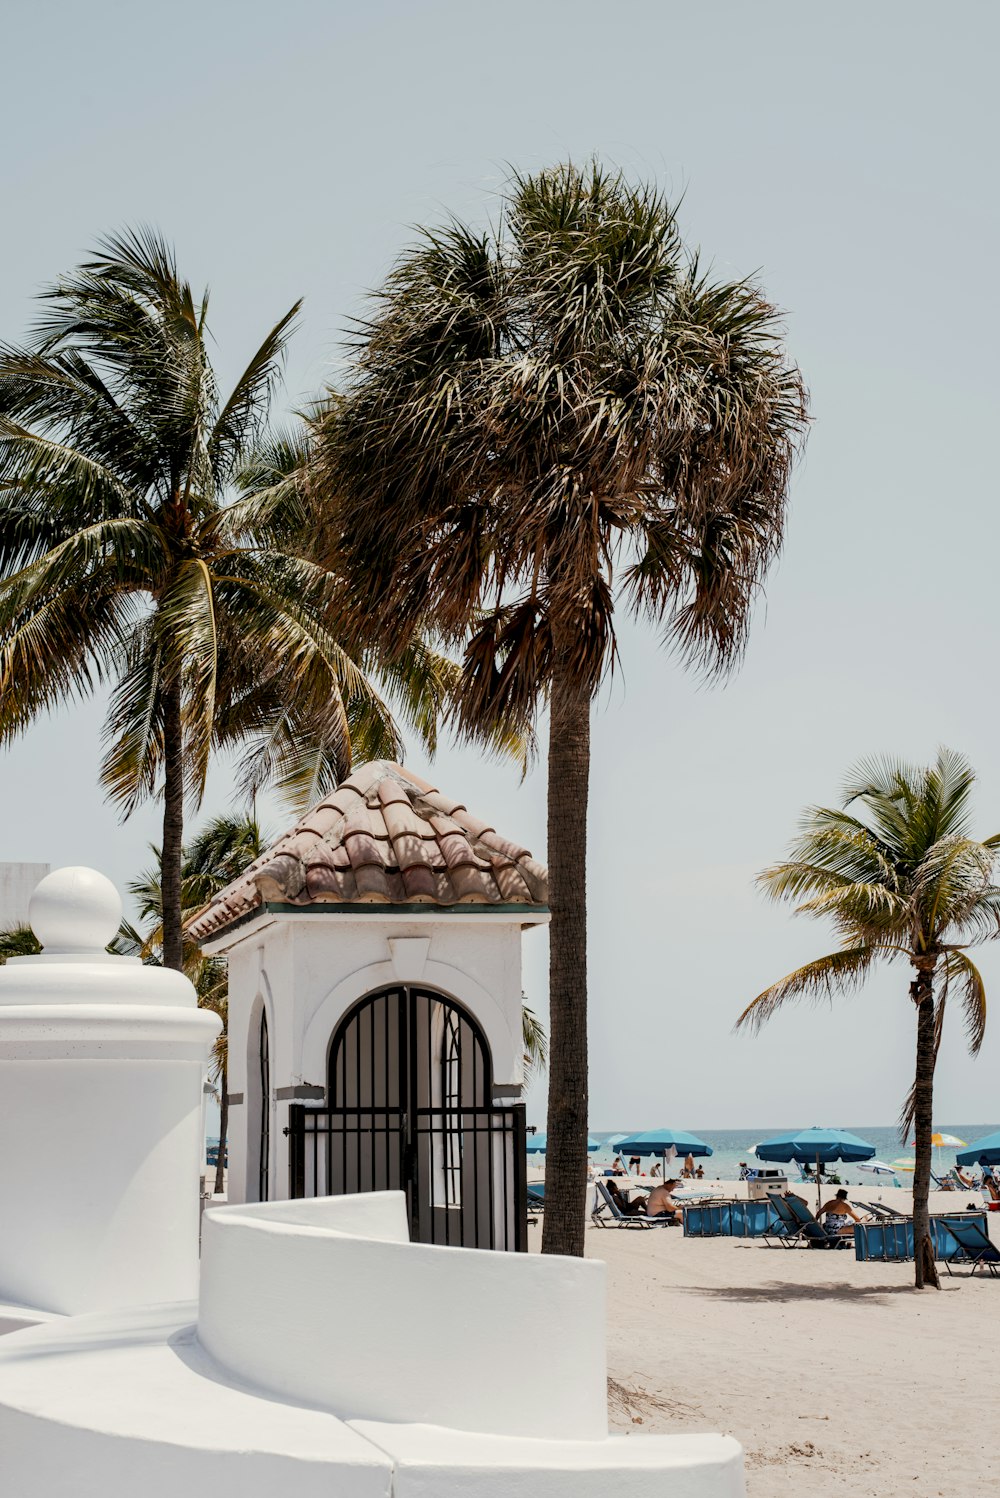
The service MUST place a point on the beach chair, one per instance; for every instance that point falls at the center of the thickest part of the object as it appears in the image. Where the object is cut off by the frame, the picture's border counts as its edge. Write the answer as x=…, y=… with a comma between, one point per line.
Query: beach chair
x=784, y=1232
x=881, y=1212
x=607, y=1213
x=945, y=1183
x=536, y=1200
x=975, y=1245
x=803, y=1227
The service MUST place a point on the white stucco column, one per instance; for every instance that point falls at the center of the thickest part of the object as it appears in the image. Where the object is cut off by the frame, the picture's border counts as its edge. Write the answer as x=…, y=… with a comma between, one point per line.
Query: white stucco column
x=101, y=1067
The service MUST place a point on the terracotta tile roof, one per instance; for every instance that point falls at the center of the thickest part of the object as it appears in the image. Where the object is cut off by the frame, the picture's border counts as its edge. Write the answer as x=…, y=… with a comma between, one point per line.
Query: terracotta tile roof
x=384, y=837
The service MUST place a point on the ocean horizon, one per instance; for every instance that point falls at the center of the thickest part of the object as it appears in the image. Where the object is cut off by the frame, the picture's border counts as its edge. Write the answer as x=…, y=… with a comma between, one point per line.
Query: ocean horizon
x=731, y=1146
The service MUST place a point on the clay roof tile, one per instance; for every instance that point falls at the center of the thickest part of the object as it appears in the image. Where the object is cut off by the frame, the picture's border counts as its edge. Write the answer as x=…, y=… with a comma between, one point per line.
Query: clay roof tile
x=384, y=835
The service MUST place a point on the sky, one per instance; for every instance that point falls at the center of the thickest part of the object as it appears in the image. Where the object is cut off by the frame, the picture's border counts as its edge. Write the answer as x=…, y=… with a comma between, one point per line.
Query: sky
x=844, y=156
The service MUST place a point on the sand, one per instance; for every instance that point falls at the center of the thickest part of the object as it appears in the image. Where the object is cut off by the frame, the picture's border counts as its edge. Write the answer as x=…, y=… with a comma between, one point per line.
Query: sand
x=834, y=1375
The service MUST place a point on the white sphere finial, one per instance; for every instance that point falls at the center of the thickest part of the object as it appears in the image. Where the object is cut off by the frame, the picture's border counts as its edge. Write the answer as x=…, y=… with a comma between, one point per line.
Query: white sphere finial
x=75, y=910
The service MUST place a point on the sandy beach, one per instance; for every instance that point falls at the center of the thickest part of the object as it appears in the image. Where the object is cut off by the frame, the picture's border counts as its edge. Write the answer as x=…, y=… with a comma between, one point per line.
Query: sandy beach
x=835, y=1375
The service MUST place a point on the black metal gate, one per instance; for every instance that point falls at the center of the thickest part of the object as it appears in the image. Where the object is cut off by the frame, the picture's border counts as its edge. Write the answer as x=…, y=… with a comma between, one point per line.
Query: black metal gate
x=410, y=1095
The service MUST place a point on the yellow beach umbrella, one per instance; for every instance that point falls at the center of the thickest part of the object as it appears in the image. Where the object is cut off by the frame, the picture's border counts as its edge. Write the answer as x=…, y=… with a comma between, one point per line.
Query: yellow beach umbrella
x=903, y=1165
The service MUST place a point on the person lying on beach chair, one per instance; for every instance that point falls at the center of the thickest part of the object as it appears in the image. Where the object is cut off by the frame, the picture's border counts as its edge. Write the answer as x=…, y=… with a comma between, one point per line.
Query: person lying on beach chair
x=633, y=1208
x=615, y=1211
x=839, y=1215
x=660, y=1201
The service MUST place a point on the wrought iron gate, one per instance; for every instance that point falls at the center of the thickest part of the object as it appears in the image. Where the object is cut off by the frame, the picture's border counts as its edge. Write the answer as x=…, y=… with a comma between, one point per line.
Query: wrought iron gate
x=409, y=1089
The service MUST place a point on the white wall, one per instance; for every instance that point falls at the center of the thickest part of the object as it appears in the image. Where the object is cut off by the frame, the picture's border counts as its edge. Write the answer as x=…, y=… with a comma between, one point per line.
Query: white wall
x=17, y=880
x=309, y=969
x=101, y=1069
x=350, y=1316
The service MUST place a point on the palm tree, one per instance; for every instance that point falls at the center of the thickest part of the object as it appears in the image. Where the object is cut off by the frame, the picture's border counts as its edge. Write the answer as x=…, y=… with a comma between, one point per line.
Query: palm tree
x=139, y=545
x=18, y=941
x=535, y=1041
x=548, y=419
x=217, y=855
x=903, y=880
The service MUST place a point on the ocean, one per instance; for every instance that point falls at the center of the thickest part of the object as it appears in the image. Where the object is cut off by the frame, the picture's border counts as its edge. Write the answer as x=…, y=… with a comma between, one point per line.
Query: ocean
x=730, y=1146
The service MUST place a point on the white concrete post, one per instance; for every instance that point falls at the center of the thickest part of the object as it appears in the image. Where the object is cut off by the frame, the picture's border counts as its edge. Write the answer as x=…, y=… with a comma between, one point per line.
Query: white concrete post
x=101, y=1146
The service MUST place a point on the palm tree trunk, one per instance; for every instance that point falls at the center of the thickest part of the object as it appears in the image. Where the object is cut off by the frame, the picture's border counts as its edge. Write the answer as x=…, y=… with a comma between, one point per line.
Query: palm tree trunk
x=173, y=827
x=220, y=1167
x=566, y=1142
x=922, y=994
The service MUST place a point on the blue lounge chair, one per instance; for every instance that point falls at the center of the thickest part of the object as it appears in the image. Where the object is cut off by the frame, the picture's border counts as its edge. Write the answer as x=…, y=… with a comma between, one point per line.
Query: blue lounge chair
x=883, y=1213
x=803, y=1227
x=785, y=1231
x=536, y=1200
x=975, y=1246
x=605, y=1208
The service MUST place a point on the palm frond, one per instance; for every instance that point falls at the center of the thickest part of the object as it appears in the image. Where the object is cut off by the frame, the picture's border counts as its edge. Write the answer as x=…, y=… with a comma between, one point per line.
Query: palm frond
x=966, y=977
x=823, y=978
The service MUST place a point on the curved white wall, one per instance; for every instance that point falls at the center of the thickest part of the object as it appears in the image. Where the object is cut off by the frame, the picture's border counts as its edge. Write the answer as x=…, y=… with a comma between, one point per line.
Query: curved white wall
x=325, y=1301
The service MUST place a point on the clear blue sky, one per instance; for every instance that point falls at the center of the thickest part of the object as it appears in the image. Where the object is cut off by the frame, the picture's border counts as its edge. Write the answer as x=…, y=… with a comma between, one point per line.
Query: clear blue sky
x=847, y=153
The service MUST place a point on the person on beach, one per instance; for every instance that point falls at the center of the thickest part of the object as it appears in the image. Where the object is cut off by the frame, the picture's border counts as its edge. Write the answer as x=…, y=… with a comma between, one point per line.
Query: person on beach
x=699, y=1174
x=656, y=1169
x=688, y=1171
x=636, y=1208
x=660, y=1201
x=840, y=1215
x=619, y=1168
x=744, y=1171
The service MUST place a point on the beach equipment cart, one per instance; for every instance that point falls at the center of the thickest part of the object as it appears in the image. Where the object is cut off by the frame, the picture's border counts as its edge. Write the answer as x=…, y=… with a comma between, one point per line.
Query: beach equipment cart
x=816, y=1147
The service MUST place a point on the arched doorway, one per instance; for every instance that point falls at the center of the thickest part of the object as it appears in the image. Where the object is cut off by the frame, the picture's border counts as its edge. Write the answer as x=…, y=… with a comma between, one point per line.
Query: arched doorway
x=410, y=1108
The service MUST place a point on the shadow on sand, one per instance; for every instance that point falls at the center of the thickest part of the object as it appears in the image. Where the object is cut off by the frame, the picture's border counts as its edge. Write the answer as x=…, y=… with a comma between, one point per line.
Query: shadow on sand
x=785, y=1290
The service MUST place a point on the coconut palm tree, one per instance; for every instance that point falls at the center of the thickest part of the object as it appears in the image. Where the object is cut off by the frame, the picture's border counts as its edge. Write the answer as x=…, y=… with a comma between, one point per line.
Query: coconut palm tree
x=18, y=941
x=903, y=880
x=546, y=420
x=218, y=854
x=140, y=546
x=535, y=1041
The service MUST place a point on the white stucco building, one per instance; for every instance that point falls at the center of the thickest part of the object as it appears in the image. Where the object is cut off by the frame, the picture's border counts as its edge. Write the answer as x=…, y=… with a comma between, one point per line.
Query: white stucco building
x=375, y=1033
x=316, y=1350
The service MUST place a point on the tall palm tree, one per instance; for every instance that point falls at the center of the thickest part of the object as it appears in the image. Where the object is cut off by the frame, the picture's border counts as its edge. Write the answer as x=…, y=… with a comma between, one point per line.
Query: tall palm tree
x=129, y=554
x=546, y=420
x=903, y=880
x=218, y=854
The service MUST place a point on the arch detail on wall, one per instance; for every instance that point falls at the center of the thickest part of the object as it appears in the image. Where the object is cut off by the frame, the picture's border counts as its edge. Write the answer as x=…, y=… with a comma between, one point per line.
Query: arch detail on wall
x=450, y=981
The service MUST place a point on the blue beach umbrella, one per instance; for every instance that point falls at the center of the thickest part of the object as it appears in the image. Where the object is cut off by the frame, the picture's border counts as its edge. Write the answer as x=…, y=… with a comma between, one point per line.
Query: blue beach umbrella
x=536, y=1144
x=659, y=1141
x=985, y=1151
x=815, y=1146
